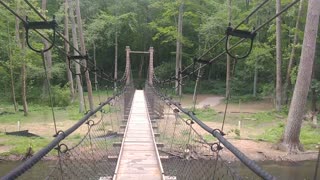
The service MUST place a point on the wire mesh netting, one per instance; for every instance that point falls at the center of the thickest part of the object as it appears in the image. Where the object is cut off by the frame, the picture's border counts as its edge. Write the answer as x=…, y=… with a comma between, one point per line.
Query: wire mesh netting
x=92, y=150
x=186, y=150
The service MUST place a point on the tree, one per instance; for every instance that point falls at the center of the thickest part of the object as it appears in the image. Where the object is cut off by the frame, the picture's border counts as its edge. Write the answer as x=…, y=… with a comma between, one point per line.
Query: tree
x=22, y=46
x=278, y=58
x=293, y=53
x=47, y=55
x=67, y=48
x=13, y=93
x=179, y=51
x=228, y=57
x=291, y=141
x=77, y=64
x=83, y=52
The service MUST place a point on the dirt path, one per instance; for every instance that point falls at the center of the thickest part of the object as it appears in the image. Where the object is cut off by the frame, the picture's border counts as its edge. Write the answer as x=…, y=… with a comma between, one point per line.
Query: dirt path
x=210, y=101
x=217, y=103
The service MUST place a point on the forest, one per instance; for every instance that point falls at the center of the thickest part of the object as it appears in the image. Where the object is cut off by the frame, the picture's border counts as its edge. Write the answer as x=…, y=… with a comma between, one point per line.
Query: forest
x=184, y=34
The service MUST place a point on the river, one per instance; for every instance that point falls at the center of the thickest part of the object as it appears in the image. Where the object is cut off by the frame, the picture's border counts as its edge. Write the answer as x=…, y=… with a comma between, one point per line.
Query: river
x=281, y=170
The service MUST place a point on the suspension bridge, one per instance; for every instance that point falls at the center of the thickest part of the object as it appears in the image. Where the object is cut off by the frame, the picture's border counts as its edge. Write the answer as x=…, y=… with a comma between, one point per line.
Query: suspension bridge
x=141, y=134
x=138, y=134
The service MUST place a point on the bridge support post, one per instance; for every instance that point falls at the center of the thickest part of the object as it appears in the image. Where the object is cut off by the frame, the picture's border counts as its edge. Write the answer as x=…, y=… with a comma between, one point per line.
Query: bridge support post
x=151, y=70
x=128, y=73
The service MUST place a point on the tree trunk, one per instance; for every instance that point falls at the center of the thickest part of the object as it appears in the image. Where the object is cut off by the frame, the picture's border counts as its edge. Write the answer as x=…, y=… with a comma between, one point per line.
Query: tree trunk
x=291, y=140
x=67, y=48
x=95, y=68
x=292, y=55
x=194, y=98
x=141, y=67
x=47, y=55
x=228, y=57
x=13, y=93
x=21, y=45
x=116, y=61
x=255, y=78
x=83, y=52
x=313, y=91
x=77, y=64
x=24, y=85
x=279, y=58
x=179, y=51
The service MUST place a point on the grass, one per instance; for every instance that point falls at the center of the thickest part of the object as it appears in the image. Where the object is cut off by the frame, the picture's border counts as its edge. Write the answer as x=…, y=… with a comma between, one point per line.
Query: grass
x=209, y=138
x=309, y=136
x=244, y=98
x=20, y=144
x=41, y=114
x=261, y=119
x=270, y=124
x=272, y=134
x=206, y=114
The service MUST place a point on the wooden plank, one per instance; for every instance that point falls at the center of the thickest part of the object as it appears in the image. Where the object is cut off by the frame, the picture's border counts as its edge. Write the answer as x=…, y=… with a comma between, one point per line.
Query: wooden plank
x=139, y=158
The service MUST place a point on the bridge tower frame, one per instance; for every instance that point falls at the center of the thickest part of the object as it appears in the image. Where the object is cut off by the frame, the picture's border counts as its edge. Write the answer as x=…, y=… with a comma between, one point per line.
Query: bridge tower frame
x=128, y=63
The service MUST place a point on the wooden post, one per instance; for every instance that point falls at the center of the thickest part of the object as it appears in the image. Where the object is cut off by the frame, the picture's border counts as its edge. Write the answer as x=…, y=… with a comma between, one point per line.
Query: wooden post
x=128, y=64
x=151, y=70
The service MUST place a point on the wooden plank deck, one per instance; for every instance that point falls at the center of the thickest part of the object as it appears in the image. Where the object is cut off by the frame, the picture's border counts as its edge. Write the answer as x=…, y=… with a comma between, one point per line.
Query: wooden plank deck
x=139, y=157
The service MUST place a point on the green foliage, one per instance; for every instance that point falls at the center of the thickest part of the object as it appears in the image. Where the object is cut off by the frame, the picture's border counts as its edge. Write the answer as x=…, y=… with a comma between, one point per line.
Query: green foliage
x=207, y=114
x=61, y=96
x=267, y=89
x=165, y=70
x=294, y=75
x=104, y=26
x=205, y=87
x=315, y=84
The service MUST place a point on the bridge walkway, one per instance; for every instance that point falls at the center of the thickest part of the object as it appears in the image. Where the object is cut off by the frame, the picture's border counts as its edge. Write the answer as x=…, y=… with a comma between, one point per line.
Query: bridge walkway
x=139, y=157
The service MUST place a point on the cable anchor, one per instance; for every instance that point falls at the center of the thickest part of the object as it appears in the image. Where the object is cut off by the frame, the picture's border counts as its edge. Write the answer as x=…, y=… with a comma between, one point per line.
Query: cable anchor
x=40, y=25
x=241, y=34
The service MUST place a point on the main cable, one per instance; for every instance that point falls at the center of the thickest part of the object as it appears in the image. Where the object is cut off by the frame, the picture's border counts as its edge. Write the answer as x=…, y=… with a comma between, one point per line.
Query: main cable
x=240, y=41
x=58, y=33
x=223, y=38
x=108, y=77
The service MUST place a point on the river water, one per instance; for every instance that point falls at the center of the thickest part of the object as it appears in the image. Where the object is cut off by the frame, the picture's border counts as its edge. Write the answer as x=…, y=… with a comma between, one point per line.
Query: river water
x=281, y=170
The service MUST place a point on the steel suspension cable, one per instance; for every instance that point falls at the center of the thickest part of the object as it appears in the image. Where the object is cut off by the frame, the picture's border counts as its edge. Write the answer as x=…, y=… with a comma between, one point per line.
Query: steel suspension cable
x=49, y=91
x=240, y=41
x=26, y=165
x=256, y=30
x=59, y=34
x=219, y=135
x=223, y=38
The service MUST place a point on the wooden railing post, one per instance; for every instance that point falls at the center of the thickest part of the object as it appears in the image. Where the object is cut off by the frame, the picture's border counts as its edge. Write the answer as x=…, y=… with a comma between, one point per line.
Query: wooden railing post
x=151, y=70
x=128, y=73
